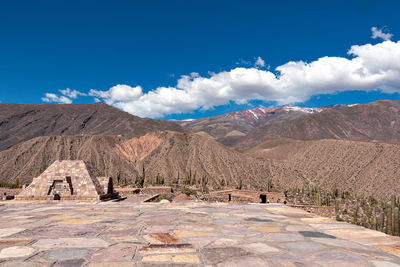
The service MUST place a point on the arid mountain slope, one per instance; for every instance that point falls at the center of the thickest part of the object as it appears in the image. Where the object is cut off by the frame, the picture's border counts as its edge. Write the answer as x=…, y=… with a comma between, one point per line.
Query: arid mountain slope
x=31, y=158
x=359, y=167
x=378, y=121
x=182, y=153
x=228, y=127
x=19, y=122
x=163, y=153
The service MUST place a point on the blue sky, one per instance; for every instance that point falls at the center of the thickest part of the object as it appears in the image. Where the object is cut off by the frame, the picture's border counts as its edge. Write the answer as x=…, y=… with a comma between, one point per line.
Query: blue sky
x=47, y=46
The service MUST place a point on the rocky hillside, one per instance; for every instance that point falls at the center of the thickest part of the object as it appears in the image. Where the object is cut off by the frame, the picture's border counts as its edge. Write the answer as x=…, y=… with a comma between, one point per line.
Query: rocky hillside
x=379, y=121
x=166, y=154
x=228, y=127
x=368, y=168
x=19, y=122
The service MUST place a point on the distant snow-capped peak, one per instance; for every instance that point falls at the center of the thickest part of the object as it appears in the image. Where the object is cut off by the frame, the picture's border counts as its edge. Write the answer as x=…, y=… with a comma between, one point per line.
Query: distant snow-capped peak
x=302, y=109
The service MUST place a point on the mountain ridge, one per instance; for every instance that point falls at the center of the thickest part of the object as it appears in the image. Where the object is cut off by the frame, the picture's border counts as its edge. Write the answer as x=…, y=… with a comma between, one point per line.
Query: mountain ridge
x=21, y=122
x=375, y=121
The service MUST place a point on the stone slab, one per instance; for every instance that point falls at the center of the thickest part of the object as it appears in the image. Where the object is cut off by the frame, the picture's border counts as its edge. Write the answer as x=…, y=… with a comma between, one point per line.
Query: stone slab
x=16, y=252
x=45, y=244
x=180, y=258
x=118, y=252
x=10, y=231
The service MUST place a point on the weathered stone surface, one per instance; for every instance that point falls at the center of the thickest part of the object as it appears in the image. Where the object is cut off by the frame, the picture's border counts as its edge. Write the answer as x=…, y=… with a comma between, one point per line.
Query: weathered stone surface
x=57, y=231
x=223, y=242
x=77, y=221
x=244, y=262
x=265, y=229
x=14, y=241
x=185, y=233
x=70, y=263
x=391, y=249
x=338, y=258
x=184, y=258
x=315, y=234
x=259, y=248
x=302, y=247
x=167, y=248
x=283, y=237
x=341, y=243
x=254, y=219
x=16, y=252
x=10, y=231
x=316, y=219
x=45, y=244
x=21, y=264
x=112, y=264
x=133, y=239
x=67, y=253
x=118, y=252
x=385, y=264
x=216, y=255
x=162, y=238
x=189, y=234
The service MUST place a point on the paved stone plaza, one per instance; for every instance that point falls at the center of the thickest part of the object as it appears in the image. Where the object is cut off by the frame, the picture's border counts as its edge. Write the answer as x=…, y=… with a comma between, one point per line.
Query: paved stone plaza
x=131, y=233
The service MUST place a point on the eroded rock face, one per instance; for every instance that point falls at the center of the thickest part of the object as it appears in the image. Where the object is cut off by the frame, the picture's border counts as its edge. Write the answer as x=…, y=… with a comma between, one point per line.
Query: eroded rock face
x=137, y=149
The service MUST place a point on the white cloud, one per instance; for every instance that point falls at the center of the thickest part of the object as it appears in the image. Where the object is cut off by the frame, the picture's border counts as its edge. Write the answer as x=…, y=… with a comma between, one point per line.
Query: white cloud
x=378, y=33
x=367, y=67
x=53, y=98
x=242, y=61
x=259, y=63
x=71, y=93
x=118, y=94
x=65, y=98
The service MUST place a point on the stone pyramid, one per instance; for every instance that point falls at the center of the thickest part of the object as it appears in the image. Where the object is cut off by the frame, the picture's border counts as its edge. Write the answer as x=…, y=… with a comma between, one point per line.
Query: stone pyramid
x=67, y=180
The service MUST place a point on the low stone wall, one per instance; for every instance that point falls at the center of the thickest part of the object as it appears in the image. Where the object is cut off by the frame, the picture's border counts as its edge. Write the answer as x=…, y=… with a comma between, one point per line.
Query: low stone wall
x=9, y=193
x=243, y=196
x=50, y=197
x=325, y=211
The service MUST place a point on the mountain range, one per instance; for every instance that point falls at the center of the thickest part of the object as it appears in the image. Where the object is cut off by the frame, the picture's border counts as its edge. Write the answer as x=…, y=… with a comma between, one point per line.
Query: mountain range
x=19, y=122
x=228, y=128
x=352, y=147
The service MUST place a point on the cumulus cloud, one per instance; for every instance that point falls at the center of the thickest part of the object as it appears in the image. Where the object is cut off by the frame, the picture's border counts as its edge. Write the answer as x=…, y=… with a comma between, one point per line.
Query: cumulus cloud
x=65, y=98
x=53, y=98
x=259, y=63
x=367, y=67
x=71, y=93
x=378, y=33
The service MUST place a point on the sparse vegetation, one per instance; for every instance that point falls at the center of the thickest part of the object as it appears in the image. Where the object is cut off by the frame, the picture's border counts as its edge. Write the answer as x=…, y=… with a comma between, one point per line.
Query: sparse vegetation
x=159, y=198
x=159, y=180
x=204, y=182
x=360, y=210
x=118, y=177
x=240, y=183
x=10, y=185
x=140, y=179
x=188, y=191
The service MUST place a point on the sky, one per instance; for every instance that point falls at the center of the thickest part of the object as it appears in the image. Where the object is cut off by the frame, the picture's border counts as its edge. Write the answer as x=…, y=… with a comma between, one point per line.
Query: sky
x=191, y=59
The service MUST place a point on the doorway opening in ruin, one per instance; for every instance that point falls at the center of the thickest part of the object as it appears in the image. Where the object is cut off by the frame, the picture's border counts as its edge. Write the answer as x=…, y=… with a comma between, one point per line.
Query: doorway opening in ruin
x=229, y=197
x=71, y=189
x=57, y=197
x=263, y=198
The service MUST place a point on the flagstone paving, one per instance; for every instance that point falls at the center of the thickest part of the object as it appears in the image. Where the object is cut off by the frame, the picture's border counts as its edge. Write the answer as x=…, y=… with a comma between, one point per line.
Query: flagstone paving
x=130, y=233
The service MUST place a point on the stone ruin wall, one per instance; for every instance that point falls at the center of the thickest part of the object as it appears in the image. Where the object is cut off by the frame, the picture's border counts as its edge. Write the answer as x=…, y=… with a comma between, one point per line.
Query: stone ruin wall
x=243, y=196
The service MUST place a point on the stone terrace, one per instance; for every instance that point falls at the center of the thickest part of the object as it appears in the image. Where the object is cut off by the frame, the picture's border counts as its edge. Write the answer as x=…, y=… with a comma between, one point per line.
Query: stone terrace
x=130, y=233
